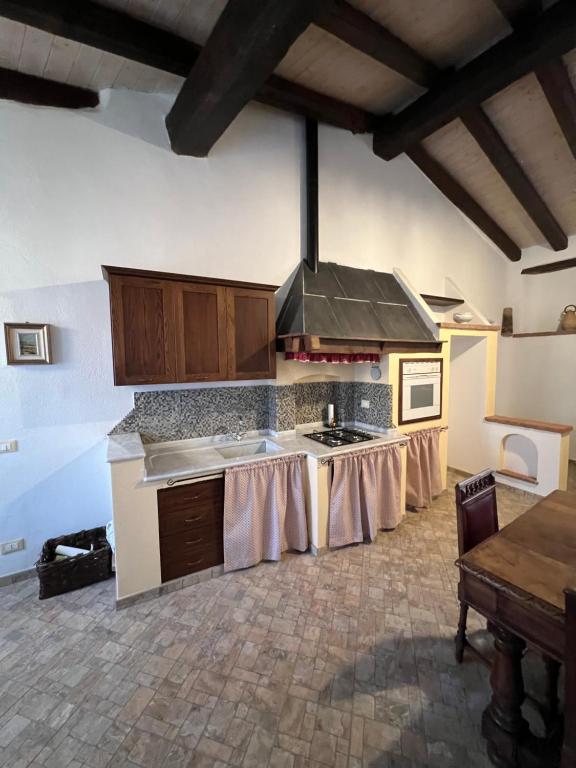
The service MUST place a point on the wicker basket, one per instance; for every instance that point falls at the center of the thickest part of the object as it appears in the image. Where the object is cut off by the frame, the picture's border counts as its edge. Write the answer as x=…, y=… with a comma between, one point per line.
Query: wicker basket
x=59, y=576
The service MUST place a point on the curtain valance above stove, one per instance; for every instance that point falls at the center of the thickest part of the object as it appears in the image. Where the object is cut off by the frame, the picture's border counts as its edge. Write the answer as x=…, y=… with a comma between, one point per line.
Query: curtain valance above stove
x=332, y=357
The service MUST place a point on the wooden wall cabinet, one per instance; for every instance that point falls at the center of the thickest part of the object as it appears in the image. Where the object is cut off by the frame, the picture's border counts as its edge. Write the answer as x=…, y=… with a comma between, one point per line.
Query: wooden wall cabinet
x=173, y=328
x=191, y=525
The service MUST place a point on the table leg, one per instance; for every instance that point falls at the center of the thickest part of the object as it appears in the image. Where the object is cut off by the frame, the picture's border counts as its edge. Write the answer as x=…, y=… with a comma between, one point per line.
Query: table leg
x=503, y=726
x=551, y=714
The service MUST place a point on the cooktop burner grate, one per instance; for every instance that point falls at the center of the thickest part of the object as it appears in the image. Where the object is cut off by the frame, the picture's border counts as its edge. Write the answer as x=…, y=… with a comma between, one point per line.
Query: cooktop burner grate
x=334, y=438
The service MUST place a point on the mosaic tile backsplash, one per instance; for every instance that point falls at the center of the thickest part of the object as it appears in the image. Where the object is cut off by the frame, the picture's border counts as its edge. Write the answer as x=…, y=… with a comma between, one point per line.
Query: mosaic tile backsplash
x=187, y=413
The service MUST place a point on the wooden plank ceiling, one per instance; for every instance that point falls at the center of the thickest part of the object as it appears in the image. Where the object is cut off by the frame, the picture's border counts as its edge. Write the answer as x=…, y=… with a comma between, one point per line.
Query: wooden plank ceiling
x=507, y=158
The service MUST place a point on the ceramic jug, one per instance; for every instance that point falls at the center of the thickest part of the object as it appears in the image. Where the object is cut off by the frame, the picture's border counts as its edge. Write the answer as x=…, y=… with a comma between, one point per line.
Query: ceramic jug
x=568, y=319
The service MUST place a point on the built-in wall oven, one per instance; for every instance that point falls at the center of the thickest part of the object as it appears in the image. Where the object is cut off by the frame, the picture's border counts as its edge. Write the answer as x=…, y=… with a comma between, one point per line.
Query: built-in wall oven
x=420, y=390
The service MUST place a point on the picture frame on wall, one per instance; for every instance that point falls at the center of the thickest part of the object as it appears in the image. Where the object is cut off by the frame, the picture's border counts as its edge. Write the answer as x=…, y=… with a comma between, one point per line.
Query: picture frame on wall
x=28, y=343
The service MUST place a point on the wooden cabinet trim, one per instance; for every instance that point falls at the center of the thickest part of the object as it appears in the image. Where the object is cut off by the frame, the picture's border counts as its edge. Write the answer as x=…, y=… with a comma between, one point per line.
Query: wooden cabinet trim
x=107, y=271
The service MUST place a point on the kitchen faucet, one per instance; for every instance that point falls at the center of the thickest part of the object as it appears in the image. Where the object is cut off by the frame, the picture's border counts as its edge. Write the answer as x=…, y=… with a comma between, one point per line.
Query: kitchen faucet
x=240, y=432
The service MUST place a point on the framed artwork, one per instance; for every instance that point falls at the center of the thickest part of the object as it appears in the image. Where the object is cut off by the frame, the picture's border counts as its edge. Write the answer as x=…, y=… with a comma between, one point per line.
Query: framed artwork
x=27, y=343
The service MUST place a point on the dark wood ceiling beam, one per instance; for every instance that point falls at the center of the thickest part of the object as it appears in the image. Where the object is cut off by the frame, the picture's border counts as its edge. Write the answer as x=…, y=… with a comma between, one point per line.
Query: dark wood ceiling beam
x=513, y=57
x=247, y=43
x=291, y=97
x=557, y=86
x=495, y=149
x=553, y=266
x=113, y=31
x=106, y=29
x=29, y=89
x=457, y=195
x=519, y=12
x=364, y=34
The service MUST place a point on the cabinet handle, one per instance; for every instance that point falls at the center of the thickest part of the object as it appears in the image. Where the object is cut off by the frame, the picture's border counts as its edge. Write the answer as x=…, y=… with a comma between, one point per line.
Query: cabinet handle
x=195, y=562
x=196, y=541
x=193, y=519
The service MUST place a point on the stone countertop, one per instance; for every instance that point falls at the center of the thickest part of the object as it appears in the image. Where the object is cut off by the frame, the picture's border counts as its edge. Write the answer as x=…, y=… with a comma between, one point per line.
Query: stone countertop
x=127, y=446
x=199, y=457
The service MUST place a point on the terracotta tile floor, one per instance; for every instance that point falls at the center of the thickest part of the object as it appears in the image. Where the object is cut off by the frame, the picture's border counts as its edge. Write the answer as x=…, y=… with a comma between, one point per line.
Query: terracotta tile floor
x=346, y=660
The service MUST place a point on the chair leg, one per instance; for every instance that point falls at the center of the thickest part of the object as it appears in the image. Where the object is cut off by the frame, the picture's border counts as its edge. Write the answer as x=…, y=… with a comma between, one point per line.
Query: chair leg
x=460, y=638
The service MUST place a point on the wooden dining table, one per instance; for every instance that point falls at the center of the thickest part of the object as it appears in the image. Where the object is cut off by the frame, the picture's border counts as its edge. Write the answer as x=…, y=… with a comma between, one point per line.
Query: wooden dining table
x=516, y=579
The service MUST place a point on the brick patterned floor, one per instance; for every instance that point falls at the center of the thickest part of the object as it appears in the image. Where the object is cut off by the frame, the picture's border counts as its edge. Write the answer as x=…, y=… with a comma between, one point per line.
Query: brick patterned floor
x=345, y=660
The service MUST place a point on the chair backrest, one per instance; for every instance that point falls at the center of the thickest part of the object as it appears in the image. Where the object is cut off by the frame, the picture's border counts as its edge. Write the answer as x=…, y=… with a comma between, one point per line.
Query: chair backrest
x=569, y=747
x=476, y=510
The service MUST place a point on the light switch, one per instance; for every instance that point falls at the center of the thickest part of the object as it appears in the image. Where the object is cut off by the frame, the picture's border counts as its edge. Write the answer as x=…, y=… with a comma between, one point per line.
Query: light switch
x=8, y=446
x=364, y=403
x=7, y=547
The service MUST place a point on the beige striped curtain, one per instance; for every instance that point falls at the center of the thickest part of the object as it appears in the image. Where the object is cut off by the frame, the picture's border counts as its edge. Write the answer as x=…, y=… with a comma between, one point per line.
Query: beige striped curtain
x=264, y=511
x=364, y=494
x=423, y=477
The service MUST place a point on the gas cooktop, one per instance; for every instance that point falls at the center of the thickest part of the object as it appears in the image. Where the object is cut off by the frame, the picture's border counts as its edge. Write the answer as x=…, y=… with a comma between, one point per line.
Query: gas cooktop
x=333, y=438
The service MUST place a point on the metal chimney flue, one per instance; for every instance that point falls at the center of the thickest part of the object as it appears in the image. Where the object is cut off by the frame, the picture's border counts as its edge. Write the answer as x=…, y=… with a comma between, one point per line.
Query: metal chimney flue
x=312, y=194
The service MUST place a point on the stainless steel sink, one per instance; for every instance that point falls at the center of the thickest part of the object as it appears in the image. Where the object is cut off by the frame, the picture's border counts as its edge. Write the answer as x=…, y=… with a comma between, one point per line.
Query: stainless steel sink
x=238, y=450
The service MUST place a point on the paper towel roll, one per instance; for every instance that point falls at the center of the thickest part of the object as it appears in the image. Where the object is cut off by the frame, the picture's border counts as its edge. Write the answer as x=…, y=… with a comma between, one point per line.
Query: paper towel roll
x=70, y=551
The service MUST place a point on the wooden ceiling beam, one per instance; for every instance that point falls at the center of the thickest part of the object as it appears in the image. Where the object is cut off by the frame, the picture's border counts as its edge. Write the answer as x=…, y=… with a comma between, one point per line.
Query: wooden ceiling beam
x=106, y=29
x=247, y=43
x=292, y=97
x=557, y=86
x=110, y=30
x=364, y=34
x=29, y=89
x=513, y=57
x=495, y=149
x=519, y=12
x=457, y=195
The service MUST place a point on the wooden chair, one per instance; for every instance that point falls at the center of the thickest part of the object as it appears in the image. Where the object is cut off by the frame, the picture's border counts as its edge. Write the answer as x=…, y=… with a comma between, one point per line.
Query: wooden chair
x=569, y=747
x=477, y=519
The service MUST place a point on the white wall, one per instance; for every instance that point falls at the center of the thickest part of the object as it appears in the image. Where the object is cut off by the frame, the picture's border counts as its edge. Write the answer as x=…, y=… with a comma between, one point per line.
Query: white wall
x=83, y=189
x=467, y=446
x=537, y=376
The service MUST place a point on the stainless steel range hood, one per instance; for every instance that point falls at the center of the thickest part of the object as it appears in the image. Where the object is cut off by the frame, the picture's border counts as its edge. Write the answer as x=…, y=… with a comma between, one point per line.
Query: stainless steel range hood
x=329, y=307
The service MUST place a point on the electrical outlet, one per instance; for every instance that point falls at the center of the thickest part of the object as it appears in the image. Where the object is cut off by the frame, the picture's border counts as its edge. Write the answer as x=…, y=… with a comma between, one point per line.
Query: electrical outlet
x=8, y=446
x=7, y=547
x=364, y=403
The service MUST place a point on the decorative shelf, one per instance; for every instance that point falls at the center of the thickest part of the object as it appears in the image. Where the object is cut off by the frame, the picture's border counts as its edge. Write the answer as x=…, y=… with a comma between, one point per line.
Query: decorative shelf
x=518, y=476
x=469, y=326
x=441, y=301
x=554, y=266
x=543, y=426
x=542, y=333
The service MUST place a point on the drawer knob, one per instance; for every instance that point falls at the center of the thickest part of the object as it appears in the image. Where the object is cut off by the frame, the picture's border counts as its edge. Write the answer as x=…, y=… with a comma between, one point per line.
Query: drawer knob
x=195, y=562
x=193, y=519
x=195, y=541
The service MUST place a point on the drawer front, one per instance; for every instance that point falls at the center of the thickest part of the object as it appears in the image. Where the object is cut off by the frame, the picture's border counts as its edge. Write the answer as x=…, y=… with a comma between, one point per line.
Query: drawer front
x=180, y=555
x=188, y=507
x=204, y=537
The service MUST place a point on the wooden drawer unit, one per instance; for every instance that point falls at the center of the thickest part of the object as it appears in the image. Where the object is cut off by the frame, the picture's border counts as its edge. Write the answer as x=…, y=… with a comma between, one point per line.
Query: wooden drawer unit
x=191, y=519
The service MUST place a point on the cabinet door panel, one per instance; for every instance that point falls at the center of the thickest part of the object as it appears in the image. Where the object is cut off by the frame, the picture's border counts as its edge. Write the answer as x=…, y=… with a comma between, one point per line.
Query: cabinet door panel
x=201, y=323
x=142, y=331
x=251, y=334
